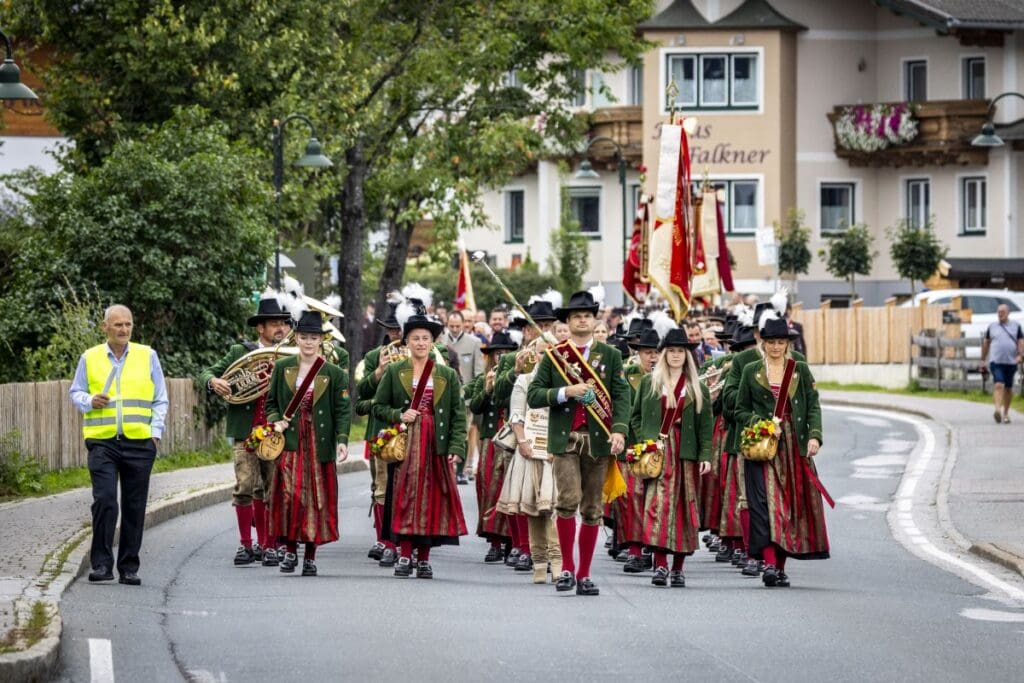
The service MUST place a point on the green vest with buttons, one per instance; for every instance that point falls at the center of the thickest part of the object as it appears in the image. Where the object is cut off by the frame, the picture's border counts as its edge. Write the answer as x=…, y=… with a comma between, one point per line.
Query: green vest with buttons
x=331, y=406
x=394, y=394
x=134, y=394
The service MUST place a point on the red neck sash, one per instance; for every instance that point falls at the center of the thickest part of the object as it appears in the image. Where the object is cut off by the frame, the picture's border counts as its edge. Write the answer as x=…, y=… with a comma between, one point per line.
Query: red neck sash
x=307, y=381
x=574, y=369
x=673, y=415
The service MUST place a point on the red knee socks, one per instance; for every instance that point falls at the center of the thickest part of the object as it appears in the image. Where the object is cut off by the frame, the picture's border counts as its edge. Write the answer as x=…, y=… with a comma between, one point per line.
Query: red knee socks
x=310, y=553
x=588, y=541
x=292, y=546
x=566, y=527
x=378, y=520
x=405, y=548
x=781, y=556
x=259, y=512
x=677, y=562
x=524, y=534
x=244, y=515
x=769, y=554
x=635, y=549
x=513, y=530
x=745, y=527
x=423, y=553
x=660, y=560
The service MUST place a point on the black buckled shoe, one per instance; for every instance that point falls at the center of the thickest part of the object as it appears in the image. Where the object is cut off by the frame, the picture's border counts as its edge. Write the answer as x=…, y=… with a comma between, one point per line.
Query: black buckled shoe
x=424, y=571
x=566, y=582
x=388, y=557
x=258, y=551
x=269, y=558
x=403, y=568
x=770, y=577
x=308, y=568
x=751, y=568
x=494, y=554
x=723, y=555
x=376, y=551
x=660, y=577
x=288, y=563
x=706, y=539
x=634, y=565
x=739, y=558
x=622, y=556
x=524, y=563
x=130, y=579
x=677, y=580
x=647, y=560
x=244, y=556
x=783, y=580
x=512, y=557
x=715, y=545
x=586, y=587
x=461, y=479
x=101, y=574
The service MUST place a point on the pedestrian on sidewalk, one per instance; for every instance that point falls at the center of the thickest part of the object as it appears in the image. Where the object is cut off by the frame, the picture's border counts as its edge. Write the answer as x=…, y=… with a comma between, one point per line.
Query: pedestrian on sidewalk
x=120, y=388
x=1002, y=348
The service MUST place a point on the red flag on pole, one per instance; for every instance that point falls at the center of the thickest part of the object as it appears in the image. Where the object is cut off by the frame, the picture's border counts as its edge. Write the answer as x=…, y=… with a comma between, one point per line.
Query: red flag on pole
x=464, y=298
x=724, y=267
x=632, y=283
x=681, y=270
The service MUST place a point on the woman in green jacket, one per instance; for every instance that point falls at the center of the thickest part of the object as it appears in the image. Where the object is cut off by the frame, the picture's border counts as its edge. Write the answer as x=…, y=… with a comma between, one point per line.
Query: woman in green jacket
x=787, y=518
x=304, y=487
x=670, y=517
x=422, y=507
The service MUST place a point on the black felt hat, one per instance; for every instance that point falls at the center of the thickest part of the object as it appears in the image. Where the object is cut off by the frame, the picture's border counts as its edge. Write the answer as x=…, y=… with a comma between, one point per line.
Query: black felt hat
x=726, y=333
x=647, y=339
x=390, y=321
x=742, y=338
x=268, y=309
x=637, y=326
x=541, y=310
x=580, y=301
x=500, y=341
x=677, y=337
x=421, y=322
x=311, y=322
x=777, y=328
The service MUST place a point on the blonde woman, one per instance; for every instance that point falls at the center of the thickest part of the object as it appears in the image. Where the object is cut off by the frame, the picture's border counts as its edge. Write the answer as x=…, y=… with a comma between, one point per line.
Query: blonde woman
x=529, y=488
x=601, y=331
x=673, y=401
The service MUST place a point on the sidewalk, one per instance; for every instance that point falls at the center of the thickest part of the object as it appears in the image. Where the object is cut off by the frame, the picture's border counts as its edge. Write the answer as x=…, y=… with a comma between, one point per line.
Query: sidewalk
x=985, y=496
x=46, y=544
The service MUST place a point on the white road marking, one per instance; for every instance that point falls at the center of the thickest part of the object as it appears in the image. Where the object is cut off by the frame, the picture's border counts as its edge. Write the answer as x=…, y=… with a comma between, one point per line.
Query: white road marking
x=904, y=503
x=895, y=446
x=101, y=661
x=859, y=501
x=871, y=422
x=981, y=614
x=204, y=676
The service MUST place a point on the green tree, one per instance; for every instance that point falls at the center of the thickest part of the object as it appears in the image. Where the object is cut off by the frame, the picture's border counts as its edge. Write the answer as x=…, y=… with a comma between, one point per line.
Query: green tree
x=850, y=254
x=794, y=253
x=173, y=224
x=915, y=251
x=570, y=250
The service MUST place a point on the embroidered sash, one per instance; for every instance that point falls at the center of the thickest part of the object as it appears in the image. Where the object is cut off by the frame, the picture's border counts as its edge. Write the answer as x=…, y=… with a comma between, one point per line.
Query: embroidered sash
x=574, y=369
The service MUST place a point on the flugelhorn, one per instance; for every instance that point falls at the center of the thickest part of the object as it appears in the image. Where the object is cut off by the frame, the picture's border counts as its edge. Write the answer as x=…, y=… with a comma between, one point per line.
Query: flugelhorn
x=249, y=376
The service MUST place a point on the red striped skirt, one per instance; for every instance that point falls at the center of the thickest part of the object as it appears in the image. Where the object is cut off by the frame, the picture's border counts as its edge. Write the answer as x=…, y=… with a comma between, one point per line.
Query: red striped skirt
x=710, y=485
x=629, y=509
x=670, y=505
x=304, y=492
x=733, y=496
x=490, y=475
x=426, y=506
x=785, y=507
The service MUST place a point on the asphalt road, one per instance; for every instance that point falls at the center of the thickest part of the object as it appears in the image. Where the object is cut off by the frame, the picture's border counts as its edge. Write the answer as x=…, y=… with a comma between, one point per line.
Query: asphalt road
x=873, y=612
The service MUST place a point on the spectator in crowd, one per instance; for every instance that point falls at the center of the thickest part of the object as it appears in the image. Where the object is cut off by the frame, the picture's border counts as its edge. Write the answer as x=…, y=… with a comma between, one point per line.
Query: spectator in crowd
x=1002, y=347
x=482, y=331
x=601, y=331
x=498, y=320
x=561, y=331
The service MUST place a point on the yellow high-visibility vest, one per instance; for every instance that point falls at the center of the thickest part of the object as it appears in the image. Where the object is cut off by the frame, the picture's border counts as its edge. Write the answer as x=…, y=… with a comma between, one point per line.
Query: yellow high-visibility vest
x=133, y=404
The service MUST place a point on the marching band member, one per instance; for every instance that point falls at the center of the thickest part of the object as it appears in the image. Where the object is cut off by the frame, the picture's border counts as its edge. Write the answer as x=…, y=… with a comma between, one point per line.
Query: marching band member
x=711, y=484
x=309, y=402
x=495, y=527
x=425, y=510
x=784, y=496
x=581, y=380
x=672, y=401
x=252, y=475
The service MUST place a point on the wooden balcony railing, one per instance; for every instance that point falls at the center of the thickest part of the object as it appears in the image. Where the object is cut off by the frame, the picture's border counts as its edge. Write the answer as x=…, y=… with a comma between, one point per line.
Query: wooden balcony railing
x=624, y=124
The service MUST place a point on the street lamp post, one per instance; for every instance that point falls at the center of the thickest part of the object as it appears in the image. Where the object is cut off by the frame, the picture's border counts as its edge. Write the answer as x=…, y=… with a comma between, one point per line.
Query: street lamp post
x=313, y=158
x=988, y=137
x=587, y=172
x=11, y=87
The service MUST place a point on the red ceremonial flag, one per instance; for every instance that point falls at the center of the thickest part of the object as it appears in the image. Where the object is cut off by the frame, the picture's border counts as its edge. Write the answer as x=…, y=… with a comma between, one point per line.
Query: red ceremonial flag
x=631, y=283
x=681, y=270
x=464, y=298
x=724, y=267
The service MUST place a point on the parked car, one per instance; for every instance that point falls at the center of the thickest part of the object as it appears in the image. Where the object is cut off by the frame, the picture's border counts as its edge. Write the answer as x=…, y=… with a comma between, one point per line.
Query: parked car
x=982, y=304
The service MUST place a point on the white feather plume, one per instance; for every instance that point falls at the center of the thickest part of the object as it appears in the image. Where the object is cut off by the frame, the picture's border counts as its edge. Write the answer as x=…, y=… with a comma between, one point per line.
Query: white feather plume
x=744, y=315
x=403, y=312
x=770, y=314
x=293, y=287
x=780, y=301
x=268, y=294
x=516, y=336
x=395, y=297
x=334, y=301
x=597, y=291
x=514, y=315
x=414, y=290
x=554, y=296
x=297, y=307
x=662, y=322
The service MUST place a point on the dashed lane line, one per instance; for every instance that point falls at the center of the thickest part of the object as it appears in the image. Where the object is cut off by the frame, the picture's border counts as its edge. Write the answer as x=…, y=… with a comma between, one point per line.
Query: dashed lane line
x=101, y=661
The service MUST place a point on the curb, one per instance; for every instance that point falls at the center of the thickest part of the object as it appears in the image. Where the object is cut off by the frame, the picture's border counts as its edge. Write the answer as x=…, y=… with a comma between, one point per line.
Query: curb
x=39, y=662
x=987, y=551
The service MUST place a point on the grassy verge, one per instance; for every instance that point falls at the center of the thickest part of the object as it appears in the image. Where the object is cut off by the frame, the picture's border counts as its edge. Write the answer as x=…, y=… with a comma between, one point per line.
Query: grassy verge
x=24, y=637
x=913, y=390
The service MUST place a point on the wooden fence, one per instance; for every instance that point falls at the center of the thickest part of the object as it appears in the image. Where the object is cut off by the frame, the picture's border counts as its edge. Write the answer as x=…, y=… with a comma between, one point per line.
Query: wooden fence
x=942, y=363
x=50, y=427
x=858, y=335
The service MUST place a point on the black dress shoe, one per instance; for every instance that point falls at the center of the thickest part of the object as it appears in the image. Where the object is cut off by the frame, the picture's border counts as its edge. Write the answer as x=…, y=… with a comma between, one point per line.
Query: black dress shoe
x=461, y=479
x=770, y=576
x=512, y=557
x=494, y=554
x=388, y=557
x=715, y=545
x=257, y=551
x=751, y=568
x=101, y=574
x=623, y=555
x=586, y=587
x=739, y=558
x=647, y=559
x=677, y=580
x=244, y=556
x=130, y=579
x=308, y=568
x=634, y=565
x=723, y=555
x=660, y=577
x=403, y=568
x=566, y=582
x=270, y=558
x=705, y=539
x=783, y=581
x=376, y=552
x=424, y=570
x=288, y=563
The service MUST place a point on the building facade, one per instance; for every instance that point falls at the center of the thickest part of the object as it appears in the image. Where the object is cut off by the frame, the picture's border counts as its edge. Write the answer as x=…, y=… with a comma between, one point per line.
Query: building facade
x=767, y=83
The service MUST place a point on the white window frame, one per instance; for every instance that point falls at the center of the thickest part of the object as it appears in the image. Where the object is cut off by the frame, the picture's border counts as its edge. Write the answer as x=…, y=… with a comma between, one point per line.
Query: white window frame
x=665, y=53
x=905, y=185
x=732, y=76
x=855, y=209
x=729, y=212
x=965, y=75
x=597, y=98
x=904, y=81
x=635, y=85
x=961, y=204
x=589, y=191
x=509, y=237
x=580, y=99
x=702, y=103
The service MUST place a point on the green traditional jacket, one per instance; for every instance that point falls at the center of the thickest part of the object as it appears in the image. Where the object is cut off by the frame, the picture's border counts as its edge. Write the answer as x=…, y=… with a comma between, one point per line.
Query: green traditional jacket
x=606, y=362
x=394, y=394
x=755, y=401
x=343, y=358
x=505, y=378
x=239, y=418
x=332, y=415
x=366, y=388
x=634, y=374
x=697, y=428
x=488, y=405
x=730, y=392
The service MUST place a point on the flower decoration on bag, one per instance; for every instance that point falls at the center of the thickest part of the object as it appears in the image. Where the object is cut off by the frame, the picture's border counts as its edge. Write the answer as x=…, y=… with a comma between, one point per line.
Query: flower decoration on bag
x=258, y=434
x=759, y=431
x=636, y=450
x=385, y=435
x=873, y=127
